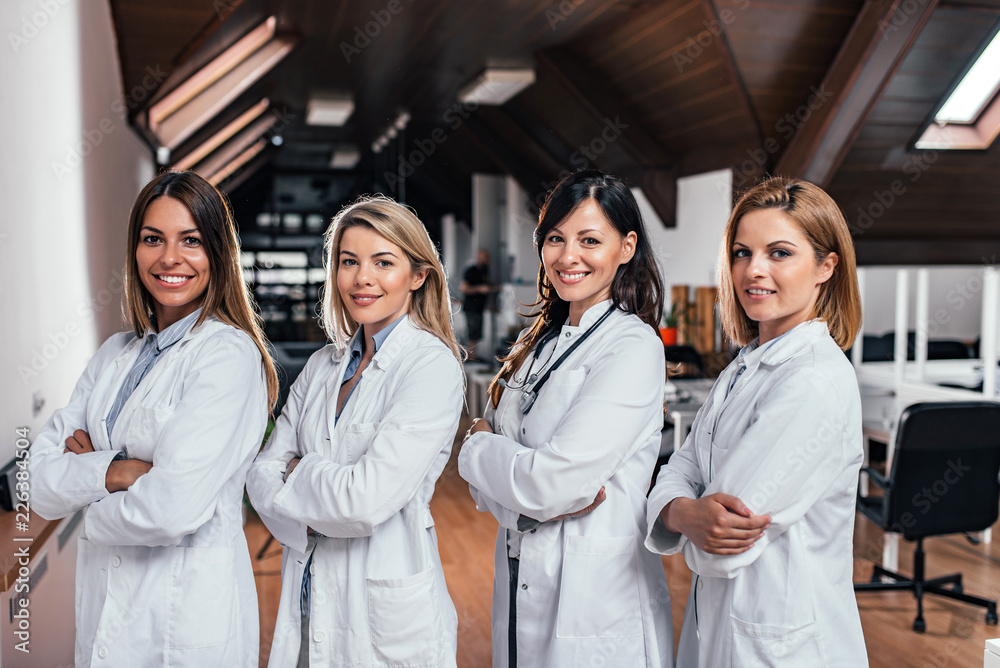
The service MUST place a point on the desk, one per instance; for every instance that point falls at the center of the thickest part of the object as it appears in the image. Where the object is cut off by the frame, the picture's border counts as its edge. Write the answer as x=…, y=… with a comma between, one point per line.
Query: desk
x=692, y=393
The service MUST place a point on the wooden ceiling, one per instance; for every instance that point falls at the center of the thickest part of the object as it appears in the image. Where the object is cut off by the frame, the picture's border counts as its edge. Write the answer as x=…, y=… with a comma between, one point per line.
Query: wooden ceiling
x=835, y=91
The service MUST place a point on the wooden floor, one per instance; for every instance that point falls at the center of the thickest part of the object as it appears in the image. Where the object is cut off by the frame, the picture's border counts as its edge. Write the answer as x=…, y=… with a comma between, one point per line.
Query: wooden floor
x=955, y=631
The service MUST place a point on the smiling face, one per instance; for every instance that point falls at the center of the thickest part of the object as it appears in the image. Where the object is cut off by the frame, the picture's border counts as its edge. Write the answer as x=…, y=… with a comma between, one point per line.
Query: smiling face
x=374, y=278
x=581, y=255
x=172, y=263
x=775, y=273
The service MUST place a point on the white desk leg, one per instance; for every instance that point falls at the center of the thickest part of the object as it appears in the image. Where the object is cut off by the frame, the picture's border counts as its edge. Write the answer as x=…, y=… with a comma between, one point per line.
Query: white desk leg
x=865, y=461
x=890, y=551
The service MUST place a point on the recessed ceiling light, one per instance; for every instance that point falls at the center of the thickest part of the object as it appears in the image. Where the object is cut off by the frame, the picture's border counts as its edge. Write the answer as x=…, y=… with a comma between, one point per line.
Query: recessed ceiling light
x=496, y=86
x=332, y=111
x=345, y=157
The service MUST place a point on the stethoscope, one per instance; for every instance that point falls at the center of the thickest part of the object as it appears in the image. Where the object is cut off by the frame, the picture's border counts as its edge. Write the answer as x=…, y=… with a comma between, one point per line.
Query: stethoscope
x=529, y=394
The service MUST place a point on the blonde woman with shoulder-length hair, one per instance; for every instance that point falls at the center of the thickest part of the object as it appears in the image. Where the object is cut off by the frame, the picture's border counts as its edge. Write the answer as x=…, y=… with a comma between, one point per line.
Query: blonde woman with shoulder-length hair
x=347, y=476
x=760, y=499
x=156, y=442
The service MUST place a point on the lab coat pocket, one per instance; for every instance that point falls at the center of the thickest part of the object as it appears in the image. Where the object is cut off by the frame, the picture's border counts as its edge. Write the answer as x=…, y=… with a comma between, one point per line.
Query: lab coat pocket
x=144, y=429
x=599, y=591
x=552, y=403
x=202, y=597
x=768, y=645
x=405, y=620
x=354, y=442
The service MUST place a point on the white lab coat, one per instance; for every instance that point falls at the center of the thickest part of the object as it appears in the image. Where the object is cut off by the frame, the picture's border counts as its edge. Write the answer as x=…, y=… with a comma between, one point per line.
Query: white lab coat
x=589, y=593
x=163, y=572
x=364, y=482
x=787, y=442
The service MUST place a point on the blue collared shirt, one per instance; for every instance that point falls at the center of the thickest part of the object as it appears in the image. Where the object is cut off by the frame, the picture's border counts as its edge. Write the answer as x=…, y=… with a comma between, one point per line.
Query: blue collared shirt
x=149, y=355
x=357, y=351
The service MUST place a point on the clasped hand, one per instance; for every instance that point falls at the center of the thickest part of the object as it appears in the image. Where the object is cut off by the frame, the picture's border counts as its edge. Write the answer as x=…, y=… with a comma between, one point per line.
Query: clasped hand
x=717, y=523
x=122, y=473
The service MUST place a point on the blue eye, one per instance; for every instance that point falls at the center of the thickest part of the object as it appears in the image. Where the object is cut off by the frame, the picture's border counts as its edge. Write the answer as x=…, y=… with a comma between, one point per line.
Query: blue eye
x=781, y=253
x=348, y=262
x=384, y=263
x=741, y=253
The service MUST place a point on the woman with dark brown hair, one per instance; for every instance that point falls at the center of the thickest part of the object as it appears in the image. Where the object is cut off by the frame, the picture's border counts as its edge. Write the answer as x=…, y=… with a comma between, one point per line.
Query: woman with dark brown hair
x=760, y=499
x=564, y=455
x=156, y=442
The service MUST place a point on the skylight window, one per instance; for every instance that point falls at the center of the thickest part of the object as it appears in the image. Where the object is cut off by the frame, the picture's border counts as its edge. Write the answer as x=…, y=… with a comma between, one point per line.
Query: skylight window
x=976, y=89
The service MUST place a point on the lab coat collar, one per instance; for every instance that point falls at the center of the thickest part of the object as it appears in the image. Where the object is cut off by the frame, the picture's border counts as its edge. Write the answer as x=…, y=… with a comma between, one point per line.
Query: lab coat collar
x=397, y=340
x=798, y=339
x=590, y=316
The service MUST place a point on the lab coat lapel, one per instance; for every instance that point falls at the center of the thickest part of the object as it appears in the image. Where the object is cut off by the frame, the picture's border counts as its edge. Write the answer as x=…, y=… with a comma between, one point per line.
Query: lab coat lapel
x=107, y=389
x=332, y=391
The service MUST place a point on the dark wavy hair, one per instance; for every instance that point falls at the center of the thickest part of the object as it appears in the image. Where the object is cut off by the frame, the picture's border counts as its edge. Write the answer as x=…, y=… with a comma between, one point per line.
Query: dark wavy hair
x=636, y=287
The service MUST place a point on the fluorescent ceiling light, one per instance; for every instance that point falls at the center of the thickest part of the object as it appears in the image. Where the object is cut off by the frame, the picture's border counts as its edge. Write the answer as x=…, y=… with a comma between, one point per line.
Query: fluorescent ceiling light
x=187, y=108
x=222, y=136
x=329, y=111
x=496, y=86
x=977, y=88
x=345, y=157
x=240, y=160
x=219, y=158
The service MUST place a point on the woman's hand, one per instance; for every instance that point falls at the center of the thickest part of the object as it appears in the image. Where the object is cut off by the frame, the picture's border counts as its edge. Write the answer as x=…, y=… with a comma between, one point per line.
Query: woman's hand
x=717, y=523
x=122, y=473
x=79, y=443
x=291, y=466
x=598, y=500
x=478, y=425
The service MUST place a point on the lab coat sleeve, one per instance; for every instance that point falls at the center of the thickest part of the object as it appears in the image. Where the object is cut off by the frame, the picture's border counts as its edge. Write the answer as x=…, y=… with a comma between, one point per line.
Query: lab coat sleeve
x=342, y=501
x=215, y=427
x=506, y=517
x=620, y=395
x=267, y=474
x=785, y=461
x=63, y=482
x=679, y=477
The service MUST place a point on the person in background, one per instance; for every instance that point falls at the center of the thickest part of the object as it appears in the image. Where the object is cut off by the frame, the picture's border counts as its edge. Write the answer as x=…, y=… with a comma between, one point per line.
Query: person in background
x=347, y=476
x=476, y=288
x=156, y=442
x=760, y=499
x=565, y=453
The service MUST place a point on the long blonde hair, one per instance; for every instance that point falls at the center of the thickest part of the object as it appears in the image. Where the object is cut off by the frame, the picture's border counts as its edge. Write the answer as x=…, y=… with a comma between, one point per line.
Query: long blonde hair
x=823, y=224
x=227, y=296
x=429, y=304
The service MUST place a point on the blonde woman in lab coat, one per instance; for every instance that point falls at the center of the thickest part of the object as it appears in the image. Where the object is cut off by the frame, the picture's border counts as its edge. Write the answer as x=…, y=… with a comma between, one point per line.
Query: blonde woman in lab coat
x=564, y=457
x=760, y=499
x=155, y=444
x=349, y=470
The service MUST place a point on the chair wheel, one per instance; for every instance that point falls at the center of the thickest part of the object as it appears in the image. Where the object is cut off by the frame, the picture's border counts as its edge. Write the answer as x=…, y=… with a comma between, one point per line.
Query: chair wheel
x=991, y=617
x=919, y=625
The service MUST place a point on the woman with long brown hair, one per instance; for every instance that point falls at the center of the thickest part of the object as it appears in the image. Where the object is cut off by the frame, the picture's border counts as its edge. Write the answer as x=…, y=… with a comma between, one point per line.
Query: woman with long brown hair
x=156, y=442
x=565, y=453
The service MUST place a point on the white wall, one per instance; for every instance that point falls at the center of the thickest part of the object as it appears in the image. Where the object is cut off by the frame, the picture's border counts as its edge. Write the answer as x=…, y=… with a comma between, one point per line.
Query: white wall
x=688, y=253
x=71, y=169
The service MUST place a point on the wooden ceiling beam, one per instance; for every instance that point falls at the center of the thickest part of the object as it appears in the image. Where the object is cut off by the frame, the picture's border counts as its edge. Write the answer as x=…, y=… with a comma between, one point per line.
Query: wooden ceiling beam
x=593, y=98
x=717, y=24
x=833, y=115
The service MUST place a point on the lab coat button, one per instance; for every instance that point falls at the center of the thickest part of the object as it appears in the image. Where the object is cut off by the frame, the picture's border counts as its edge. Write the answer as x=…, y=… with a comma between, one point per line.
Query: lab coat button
x=319, y=636
x=524, y=586
x=312, y=569
x=569, y=334
x=534, y=530
x=116, y=562
x=701, y=585
x=102, y=653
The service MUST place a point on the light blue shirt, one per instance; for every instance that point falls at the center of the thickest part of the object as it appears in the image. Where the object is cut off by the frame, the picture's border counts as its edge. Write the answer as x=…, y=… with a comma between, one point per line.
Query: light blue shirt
x=357, y=349
x=149, y=355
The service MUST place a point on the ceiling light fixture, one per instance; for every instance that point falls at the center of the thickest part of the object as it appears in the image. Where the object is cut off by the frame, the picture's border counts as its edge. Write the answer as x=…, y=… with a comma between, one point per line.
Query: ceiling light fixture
x=223, y=135
x=345, y=156
x=496, y=86
x=329, y=111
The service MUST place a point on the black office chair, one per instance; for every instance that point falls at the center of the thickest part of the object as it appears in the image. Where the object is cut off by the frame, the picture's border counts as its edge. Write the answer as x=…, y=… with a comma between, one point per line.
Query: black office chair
x=694, y=366
x=943, y=480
